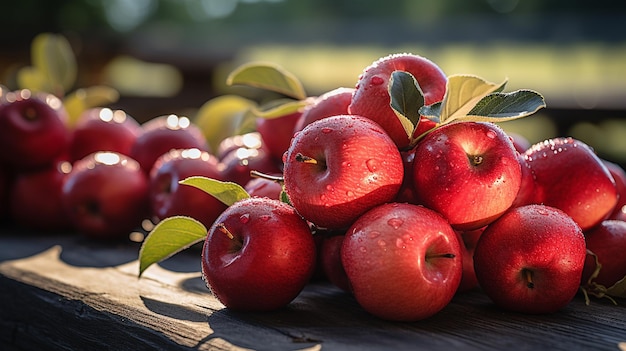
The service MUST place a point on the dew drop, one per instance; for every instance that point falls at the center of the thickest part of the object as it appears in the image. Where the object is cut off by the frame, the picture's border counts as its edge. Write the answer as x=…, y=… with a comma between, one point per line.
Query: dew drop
x=381, y=243
x=400, y=243
x=377, y=80
x=264, y=218
x=491, y=134
x=244, y=218
x=329, y=188
x=326, y=130
x=363, y=249
x=349, y=193
x=395, y=223
x=372, y=165
x=374, y=234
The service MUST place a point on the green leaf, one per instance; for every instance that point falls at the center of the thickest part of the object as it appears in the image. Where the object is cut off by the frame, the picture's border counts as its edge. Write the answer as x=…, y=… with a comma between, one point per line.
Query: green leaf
x=500, y=107
x=32, y=79
x=463, y=92
x=225, y=116
x=406, y=99
x=432, y=112
x=267, y=76
x=618, y=289
x=280, y=108
x=85, y=98
x=226, y=192
x=54, y=60
x=167, y=238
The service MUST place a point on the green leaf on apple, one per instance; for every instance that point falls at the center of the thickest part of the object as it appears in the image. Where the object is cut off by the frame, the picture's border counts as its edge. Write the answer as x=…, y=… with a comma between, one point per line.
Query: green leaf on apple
x=82, y=99
x=169, y=237
x=500, y=107
x=226, y=192
x=225, y=116
x=279, y=108
x=406, y=99
x=267, y=76
x=54, y=67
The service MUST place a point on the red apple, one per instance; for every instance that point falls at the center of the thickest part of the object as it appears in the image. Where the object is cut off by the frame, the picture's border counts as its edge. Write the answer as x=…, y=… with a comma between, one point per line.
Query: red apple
x=404, y=261
x=33, y=130
x=258, y=255
x=371, y=98
x=339, y=167
x=276, y=133
x=468, y=171
x=607, y=241
x=619, y=176
x=169, y=198
x=103, y=129
x=527, y=193
x=468, y=239
x=571, y=177
x=36, y=198
x=330, y=261
x=238, y=163
x=332, y=103
x=250, y=140
x=407, y=190
x=163, y=134
x=263, y=187
x=530, y=260
x=106, y=195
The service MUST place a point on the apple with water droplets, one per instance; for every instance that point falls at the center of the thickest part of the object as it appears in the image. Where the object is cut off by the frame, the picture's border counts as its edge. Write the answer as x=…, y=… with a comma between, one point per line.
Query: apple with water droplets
x=339, y=167
x=371, y=98
x=570, y=176
x=607, y=242
x=530, y=260
x=403, y=261
x=332, y=103
x=468, y=171
x=258, y=255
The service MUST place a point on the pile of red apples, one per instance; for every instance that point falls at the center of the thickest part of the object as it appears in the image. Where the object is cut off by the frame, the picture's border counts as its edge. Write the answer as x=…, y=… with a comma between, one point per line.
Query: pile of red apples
x=337, y=190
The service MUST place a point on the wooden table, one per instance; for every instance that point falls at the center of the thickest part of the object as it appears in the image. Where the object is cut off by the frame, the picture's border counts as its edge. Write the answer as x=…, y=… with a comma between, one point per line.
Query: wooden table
x=68, y=293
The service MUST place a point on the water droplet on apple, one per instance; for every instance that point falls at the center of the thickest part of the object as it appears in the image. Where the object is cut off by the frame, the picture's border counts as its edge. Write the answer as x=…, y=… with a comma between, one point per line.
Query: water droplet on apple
x=400, y=243
x=377, y=80
x=372, y=165
x=326, y=130
x=345, y=164
x=491, y=134
x=264, y=218
x=381, y=243
x=349, y=193
x=395, y=223
x=330, y=187
x=244, y=218
x=363, y=249
x=374, y=234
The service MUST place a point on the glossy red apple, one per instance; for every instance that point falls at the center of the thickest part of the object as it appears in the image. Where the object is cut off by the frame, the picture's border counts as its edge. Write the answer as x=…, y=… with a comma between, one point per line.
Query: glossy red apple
x=330, y=261
x=371, y=98
x=263, y=187
x=468, y=171
x=407, y=190
x=404, y=261
x=607, y=241
x=169, y=198
x=106, y=195
x=530, y=260
x=238, y=163
x=619, y=176
x=163, y=134
x=339, y=167
x=33, y=130
x=276, y=133
x=103, y=129
x=332, y=103
x=468, y=239
x=527, y=193
x=36, y=199
x=570, y=176
x=258, y=255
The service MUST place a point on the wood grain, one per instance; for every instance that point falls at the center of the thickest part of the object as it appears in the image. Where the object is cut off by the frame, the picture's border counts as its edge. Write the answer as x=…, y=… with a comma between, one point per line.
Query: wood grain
x=67, y=293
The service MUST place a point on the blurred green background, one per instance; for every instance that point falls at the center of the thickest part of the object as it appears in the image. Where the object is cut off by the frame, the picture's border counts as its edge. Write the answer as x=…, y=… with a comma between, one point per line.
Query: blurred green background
x=171, y=56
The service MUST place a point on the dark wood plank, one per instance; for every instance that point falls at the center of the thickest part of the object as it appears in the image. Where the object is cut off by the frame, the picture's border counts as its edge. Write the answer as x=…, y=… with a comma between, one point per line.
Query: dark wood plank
x=68, y=293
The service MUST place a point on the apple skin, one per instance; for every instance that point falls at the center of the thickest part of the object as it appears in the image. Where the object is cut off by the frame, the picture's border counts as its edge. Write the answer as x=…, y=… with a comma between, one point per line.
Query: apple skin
x=570, y=176
x=527, y=193
x=468, y=239
x=169, y=198
x=266, y=264
x=106, y=195
x=276, y=133
x=237, y=164
x=467, y=171
x=33, y=126
x=407, y=190
x=330, y=261
x=404, y=261
x=371, y=98
x=263, y=187
x=35, y=200
x=607, y=241
x=332, y=103
x=356, y=167
x=530, y=260
x=162, y=134
x=103, y=129
x=619, y=176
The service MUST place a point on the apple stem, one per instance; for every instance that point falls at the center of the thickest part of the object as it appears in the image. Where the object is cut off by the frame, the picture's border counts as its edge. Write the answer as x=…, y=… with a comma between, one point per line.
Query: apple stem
x=257, y=174
x=476, y=160
x=306, y=159
x=222, y=228
x=445, y=255
x=528, y=274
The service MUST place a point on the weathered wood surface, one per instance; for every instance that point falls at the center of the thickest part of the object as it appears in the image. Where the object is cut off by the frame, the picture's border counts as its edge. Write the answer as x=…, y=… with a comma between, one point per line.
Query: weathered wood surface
x=67, y=293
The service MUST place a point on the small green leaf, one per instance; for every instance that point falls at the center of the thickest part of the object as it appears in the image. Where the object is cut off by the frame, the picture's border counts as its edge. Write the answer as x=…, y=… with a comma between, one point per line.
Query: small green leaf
x=406, y=99
x=53, y=57
x=225, y=116
x=432, y=112
x=226, y=192
x=85, y=98
x=463, y=92
x=267, y=76
x=279, y=108
x=32, y=79
x=169, y=237
x=500, y=107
